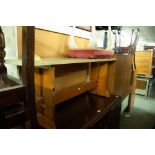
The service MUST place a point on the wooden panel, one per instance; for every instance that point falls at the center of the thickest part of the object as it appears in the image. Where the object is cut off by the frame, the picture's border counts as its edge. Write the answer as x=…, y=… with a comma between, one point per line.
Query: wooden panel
x=74, y=91
x=143, y=63
x=65, y=69
x=48, y=88
x=142, y=59
x=70, y=75
x=50, y=44
x=143, y=54
x=122, y=82
x=70, y=79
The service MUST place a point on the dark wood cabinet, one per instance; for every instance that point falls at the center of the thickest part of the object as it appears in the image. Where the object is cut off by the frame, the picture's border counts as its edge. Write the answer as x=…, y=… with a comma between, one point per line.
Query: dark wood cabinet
x=88, y=111
x=102, y=123
x=111, y=119
x=114, y=116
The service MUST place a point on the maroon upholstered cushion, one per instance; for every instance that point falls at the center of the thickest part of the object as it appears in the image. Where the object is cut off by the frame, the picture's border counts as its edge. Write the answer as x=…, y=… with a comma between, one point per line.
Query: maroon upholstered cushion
x=90, y=53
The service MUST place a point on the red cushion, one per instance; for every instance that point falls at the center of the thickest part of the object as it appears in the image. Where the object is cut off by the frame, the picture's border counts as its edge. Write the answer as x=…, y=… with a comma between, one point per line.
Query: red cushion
x=90, y=53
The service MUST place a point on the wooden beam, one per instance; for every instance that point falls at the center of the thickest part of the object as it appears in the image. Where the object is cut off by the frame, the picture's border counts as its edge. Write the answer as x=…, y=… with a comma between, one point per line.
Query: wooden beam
x=28, y=44
x=73, y=91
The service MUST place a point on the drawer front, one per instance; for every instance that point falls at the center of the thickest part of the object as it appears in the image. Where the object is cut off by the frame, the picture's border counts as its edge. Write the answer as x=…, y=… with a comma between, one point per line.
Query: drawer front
x=143, y=59
x=143, y=65
x=143, y=54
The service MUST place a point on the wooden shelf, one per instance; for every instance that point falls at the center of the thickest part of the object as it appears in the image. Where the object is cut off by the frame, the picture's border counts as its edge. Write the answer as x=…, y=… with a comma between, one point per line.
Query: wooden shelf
x=58, y=61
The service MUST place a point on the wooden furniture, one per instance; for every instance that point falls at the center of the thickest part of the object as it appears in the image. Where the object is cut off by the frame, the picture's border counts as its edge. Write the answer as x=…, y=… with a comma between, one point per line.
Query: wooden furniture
x=59, y=79
x=17, y=102
x=143, y=61
x=89, y=111
x=125, y=78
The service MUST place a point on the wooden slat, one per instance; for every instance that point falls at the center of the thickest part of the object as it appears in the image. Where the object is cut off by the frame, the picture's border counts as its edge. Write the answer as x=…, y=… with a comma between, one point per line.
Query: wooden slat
x=74, y=91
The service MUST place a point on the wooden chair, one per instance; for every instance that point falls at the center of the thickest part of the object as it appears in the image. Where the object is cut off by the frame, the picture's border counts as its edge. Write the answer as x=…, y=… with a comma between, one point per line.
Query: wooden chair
x=17, y=100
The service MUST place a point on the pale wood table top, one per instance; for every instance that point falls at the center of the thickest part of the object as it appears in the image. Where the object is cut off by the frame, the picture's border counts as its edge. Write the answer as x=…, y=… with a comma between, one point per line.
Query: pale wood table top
x=58, y=61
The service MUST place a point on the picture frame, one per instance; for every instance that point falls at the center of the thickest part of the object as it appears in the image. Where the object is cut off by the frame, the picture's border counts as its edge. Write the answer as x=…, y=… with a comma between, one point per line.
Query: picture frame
x=86, y=28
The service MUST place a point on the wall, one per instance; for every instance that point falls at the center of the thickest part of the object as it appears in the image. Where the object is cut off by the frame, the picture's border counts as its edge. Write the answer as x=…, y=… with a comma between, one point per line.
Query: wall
x=50, y=44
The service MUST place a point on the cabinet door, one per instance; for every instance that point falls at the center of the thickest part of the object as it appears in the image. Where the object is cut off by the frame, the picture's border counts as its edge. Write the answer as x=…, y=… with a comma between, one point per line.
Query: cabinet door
x=114, y=116
x=101, y=124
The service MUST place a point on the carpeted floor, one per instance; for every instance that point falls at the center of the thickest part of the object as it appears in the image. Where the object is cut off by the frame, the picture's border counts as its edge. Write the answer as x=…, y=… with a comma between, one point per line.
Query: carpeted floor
x=142, y=115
